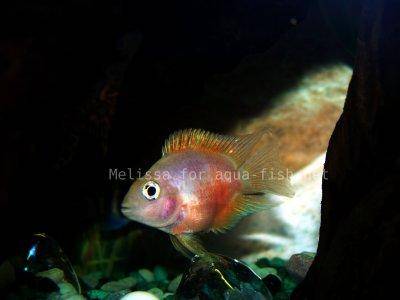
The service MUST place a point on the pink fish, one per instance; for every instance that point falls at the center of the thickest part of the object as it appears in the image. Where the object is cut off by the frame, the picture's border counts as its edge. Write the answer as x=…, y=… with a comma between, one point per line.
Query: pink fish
x=205, y=182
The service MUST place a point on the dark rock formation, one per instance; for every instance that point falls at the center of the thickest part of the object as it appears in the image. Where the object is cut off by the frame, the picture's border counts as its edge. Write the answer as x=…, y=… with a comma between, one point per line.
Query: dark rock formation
x=221, y=278
x=360, y=222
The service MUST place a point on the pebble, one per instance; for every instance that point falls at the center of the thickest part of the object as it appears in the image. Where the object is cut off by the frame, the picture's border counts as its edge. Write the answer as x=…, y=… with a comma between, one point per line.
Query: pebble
x=55, y=274
x=92, y=279
x=115, y=286
x=168, y=296
x=139, y=295
x=74, y=297
x=156, y=292
x=117, y=295
x=263, y=263
x=67, y=290
x=289, y=284
x=112, y=286
x=146, y=274
x=160, y=274
x=298, y=264
x=172, y=287
x=127, y=282
x=277, y=262
x=97, y=294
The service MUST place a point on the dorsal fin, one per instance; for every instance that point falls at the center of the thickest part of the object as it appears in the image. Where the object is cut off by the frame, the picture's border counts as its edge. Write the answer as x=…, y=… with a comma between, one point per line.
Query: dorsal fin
x=237, y=148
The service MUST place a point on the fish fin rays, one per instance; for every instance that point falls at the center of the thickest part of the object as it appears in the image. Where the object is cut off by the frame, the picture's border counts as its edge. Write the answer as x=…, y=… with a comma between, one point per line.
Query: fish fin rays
x=188, y=244
x=266, y=174
x=237, y=148
x=243, y=206
x=260, y=162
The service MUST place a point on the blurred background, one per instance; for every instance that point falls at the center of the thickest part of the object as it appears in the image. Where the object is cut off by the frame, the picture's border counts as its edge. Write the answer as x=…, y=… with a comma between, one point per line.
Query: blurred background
x=89, y=86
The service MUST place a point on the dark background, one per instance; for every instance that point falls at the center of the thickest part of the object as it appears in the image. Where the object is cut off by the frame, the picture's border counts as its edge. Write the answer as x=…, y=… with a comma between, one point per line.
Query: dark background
x=90, y=85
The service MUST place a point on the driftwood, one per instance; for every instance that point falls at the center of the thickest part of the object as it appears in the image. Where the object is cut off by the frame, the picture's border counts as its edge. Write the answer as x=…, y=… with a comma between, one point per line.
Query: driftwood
x=359, y=243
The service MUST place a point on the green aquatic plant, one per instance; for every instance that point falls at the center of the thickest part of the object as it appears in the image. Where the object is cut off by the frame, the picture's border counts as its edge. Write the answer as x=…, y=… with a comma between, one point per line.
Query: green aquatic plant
x=100, y=252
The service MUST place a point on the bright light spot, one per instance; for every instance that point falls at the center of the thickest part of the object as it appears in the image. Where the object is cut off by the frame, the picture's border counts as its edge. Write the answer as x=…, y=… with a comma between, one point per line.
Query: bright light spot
x=32, y=252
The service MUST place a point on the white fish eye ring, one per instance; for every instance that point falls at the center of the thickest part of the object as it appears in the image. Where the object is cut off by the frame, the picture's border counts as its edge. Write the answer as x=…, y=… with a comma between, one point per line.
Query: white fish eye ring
x=151, y=190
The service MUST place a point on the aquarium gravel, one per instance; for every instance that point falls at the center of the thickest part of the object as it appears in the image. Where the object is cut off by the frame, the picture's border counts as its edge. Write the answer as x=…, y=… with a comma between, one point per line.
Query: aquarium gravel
x=163, y=284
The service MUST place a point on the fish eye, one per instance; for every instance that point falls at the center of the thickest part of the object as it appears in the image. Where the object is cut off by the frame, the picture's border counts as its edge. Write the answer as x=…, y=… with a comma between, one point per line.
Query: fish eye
x=151, y=190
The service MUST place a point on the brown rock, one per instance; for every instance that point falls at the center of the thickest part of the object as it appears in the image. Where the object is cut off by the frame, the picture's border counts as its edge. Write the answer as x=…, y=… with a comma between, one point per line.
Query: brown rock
x=302, y=120
x=298, y=264
x=360, y=220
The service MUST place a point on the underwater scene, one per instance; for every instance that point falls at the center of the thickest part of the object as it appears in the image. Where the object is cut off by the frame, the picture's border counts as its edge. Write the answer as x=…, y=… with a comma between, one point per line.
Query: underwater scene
x=197, y=149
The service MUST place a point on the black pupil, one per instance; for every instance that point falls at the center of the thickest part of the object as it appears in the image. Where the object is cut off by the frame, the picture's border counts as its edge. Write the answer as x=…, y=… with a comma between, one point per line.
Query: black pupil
x=151, y=191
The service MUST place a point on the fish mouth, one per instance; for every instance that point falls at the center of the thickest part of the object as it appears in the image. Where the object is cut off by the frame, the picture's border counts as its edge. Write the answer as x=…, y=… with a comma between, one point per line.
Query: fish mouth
x=129, y=212
x=126, y=211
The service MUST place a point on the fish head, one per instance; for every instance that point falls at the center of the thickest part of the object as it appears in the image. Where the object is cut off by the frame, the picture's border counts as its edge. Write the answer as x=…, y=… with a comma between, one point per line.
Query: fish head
x=153, y=201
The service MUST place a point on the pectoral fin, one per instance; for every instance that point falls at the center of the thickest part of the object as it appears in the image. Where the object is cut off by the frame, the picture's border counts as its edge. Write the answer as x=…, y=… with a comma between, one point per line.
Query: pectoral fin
x=243, y=205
